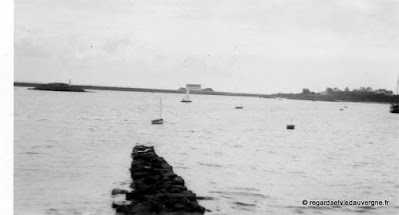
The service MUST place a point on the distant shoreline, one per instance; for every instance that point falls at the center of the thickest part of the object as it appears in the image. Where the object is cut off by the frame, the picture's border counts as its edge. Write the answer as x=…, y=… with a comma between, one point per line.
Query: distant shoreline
x=151, y=90
x=366, y=98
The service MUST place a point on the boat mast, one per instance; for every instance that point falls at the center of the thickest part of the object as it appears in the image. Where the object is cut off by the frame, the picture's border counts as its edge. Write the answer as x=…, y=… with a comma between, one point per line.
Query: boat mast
x=397, y=91
x=160, y=109
x=188, y=94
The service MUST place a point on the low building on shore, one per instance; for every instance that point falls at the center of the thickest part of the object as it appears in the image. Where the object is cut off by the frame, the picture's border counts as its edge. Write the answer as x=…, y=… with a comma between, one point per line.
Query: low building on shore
x=383, y=92
x=194, y=87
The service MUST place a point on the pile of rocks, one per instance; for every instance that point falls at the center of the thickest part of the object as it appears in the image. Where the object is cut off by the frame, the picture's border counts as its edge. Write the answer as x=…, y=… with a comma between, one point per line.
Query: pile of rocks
x=156, y=188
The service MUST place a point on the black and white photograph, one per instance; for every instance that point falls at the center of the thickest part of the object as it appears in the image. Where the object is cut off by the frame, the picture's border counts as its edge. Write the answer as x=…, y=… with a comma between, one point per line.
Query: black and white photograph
x=191, y=107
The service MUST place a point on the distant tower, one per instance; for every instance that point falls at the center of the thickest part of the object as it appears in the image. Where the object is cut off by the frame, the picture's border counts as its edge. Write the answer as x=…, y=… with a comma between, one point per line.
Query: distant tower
x=70, y=82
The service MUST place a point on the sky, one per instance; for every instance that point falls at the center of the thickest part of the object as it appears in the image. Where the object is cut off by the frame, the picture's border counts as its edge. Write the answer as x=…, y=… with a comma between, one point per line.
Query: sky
x=252, y=46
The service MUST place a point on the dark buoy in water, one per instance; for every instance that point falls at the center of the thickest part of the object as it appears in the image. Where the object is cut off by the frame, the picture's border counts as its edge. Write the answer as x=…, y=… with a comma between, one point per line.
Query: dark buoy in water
x=291, y=127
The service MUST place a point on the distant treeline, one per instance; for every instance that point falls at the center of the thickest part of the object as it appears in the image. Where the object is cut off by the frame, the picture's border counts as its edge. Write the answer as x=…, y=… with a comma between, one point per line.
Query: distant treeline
x=338, y=98
x=363, y=94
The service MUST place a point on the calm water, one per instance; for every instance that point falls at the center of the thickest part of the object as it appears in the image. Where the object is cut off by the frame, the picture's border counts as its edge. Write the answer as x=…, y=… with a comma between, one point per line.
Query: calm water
x=72, y=149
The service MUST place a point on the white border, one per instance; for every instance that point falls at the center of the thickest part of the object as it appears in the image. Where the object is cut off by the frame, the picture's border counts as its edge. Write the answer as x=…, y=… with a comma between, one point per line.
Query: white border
x=6, y=105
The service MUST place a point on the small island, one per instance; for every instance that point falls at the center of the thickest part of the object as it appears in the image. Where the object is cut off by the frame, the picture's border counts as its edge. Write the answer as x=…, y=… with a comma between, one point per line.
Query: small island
x=59, y=87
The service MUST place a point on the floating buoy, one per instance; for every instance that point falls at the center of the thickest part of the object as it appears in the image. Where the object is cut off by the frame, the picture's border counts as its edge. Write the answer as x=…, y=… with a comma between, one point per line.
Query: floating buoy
x=291, y=127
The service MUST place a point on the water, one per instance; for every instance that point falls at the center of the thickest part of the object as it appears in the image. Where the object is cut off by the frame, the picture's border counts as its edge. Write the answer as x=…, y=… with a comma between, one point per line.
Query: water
x=72, y=149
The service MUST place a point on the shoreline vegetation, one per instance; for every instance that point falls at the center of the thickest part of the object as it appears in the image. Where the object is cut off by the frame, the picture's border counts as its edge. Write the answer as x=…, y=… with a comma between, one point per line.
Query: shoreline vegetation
x=329, y=95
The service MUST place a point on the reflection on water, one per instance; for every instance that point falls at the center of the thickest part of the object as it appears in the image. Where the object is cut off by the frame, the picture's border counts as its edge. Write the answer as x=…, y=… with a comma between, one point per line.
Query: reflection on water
x=72, y=149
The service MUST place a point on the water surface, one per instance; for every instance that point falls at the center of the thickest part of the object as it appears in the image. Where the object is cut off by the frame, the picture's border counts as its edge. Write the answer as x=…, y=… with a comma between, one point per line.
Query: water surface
x=72, y=149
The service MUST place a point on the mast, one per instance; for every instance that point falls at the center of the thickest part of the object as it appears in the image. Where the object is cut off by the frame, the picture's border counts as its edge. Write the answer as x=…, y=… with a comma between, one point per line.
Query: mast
x=188, y=94
x=160, y=109
x=397, y=91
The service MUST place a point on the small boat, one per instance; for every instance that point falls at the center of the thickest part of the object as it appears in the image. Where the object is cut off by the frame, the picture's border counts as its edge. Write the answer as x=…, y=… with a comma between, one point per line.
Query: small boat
x=394, y=108
x=160, y=120
x=240, y=106
x=157, y=122
x=186, y=98
x=395, y=105
x=291, y=126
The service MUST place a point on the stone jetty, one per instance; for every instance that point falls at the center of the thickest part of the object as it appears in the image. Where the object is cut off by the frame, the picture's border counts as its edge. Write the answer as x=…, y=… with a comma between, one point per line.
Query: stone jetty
x=156, y=188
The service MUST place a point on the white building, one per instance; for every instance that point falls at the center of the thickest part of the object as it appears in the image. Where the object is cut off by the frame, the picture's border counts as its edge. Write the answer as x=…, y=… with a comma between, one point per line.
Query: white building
x=383, y=92
x=194, y=87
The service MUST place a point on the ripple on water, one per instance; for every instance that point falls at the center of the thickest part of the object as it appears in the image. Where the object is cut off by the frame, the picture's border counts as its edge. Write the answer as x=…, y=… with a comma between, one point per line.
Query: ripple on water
x=31, y=153
x=308, y=209
x=246, y=188
x=209, y=164
x=245, y=204
x=241, y=194
x=42, y=146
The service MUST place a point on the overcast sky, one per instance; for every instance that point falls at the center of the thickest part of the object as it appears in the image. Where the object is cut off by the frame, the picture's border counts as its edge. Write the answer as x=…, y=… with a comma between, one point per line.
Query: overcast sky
x=230, y=45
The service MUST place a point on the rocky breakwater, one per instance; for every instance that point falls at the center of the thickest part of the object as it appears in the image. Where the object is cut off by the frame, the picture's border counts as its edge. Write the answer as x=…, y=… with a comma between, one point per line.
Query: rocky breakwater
x=156, y=188
x=59, y=87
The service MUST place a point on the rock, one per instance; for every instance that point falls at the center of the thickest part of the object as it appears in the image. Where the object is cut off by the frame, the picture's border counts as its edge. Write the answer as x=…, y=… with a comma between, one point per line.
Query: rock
x=136, y=196
x=179, y=188
x=182, y=201
x=140, y=208
x=122, y=209
x=187, y=195
x=179, y=207
x=117, y=191
x=150, y=180
x=170, y=175
x=178, y=180
x=116, y=204
x=204, y=198
x=138, y=175
x=193, y=205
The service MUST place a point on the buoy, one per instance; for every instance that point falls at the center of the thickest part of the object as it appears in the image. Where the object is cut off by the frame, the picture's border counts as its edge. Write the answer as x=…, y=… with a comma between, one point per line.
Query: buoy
x=291, y=127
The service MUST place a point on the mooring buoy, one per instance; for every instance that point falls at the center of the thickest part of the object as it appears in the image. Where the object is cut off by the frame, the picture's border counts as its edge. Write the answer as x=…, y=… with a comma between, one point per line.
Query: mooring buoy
x=291, y=127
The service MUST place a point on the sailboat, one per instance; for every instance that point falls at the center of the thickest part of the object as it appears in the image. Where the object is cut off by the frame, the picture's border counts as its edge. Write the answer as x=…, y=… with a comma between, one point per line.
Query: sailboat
x=240, y=107
x=160, y=120
x=187, y=97
x=395, y=106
